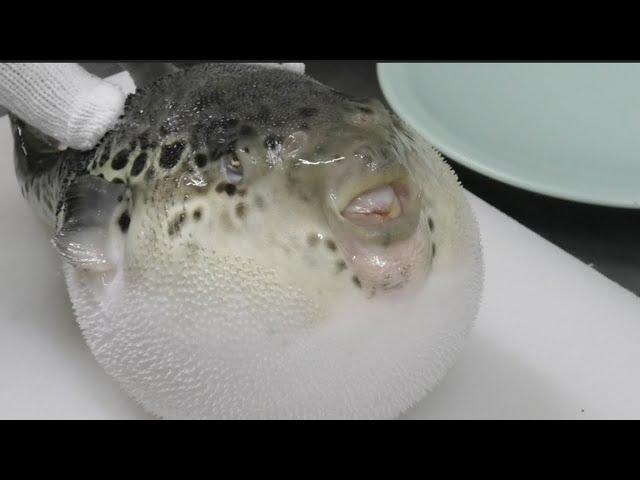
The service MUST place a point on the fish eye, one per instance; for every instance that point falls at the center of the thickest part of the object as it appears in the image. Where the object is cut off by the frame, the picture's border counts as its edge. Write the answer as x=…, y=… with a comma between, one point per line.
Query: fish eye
x=233, y=168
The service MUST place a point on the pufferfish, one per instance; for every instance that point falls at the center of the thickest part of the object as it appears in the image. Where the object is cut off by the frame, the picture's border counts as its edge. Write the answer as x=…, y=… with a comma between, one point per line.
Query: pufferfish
x=247, y=242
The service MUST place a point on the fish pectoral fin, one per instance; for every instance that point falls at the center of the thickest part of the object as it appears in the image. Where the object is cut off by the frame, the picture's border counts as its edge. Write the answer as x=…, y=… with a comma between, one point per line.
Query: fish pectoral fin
x=87, y=233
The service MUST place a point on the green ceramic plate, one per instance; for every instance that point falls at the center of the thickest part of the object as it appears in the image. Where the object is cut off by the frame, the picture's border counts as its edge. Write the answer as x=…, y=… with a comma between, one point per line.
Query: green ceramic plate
x=569, y=130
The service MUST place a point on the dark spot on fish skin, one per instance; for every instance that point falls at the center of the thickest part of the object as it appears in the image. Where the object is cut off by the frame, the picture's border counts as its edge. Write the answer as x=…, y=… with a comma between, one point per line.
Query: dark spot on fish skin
x=241, y=210
x=230, y=188
x=117, y=180
x=244, y=149
x=197, y=214
x=357, y=282
x=366, y=110
x=431, y=225
x=176, y=224
x=331, y=245
x=433, y=250
x=308, y=112
x=124, y=221
x=242, y=192
x=120, y=198
x=120, y=160
x=100, y=175
x=313, y=239
x=132, y=145
x=272, y=141
x=170, y=155
x=341, y=265
x=201, y=160
x=104, y=158
x=220, y=187
x=246, y=131
x=138, y=164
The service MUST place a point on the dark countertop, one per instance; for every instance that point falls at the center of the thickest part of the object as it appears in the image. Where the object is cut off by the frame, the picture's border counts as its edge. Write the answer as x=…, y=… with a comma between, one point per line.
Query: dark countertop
x=606, y=238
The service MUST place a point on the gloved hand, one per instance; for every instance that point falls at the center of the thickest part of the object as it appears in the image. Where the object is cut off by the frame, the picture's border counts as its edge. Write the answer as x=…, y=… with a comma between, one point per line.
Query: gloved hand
x=62, y=100
x=66, y=102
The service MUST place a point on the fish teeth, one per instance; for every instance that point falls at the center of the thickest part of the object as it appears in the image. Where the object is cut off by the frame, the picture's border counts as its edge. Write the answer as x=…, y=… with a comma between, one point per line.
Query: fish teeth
x=374, y=207
x=380, y=200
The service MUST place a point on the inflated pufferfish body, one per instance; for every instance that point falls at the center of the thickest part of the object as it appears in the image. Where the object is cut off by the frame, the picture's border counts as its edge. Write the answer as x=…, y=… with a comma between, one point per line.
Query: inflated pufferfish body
x=249, y=243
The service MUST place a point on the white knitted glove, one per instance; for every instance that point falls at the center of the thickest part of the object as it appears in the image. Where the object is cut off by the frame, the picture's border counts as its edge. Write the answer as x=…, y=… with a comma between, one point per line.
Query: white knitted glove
x=62, y=100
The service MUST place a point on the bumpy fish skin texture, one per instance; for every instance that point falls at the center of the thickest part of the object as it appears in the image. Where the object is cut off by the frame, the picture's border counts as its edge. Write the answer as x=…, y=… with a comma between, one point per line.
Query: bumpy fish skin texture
x=249, y=243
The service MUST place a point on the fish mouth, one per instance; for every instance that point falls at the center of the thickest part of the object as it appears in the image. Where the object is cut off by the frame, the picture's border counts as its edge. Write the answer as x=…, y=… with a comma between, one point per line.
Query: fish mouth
x=378, y=205
x=376, y=222
x=380, y=235
x=382, y=210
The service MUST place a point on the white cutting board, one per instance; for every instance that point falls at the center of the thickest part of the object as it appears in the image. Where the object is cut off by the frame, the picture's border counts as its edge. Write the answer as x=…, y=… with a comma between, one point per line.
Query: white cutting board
x=554, y=338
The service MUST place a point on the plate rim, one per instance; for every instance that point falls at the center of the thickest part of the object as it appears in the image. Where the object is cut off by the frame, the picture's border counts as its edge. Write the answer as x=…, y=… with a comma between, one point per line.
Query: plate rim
x=386, y=73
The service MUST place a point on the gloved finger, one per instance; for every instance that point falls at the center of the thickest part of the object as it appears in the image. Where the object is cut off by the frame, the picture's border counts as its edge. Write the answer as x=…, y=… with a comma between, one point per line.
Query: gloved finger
x=62, y=100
